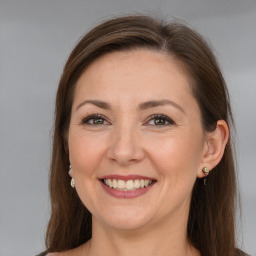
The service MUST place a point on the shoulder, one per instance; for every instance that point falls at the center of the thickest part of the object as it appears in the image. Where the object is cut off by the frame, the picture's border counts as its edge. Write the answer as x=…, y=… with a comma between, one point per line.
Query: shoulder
x=42, y=253
x=51, y=254
x=57, y=254
x=71, y=252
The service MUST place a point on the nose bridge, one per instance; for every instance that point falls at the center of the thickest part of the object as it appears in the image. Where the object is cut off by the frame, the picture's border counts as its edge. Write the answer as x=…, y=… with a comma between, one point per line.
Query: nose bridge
x=125, y=146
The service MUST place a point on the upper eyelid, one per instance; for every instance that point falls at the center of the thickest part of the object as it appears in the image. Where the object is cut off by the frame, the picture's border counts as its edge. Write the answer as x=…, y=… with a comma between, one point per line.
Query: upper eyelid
x=89, y=117
x=160, y=116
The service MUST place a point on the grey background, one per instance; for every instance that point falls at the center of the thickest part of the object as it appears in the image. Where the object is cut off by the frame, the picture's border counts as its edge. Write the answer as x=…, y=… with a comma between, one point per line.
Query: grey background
x=35, y=40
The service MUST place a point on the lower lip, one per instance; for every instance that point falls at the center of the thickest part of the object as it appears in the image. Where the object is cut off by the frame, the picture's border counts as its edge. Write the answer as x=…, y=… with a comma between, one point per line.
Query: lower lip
x=126, y=194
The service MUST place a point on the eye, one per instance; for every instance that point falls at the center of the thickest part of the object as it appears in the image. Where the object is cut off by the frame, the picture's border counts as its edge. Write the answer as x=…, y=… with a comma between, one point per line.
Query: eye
x=95, y=119
x=160, y=120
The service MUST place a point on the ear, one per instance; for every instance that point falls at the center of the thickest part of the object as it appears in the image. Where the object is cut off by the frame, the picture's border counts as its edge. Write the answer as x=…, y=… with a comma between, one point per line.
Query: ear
x=215, y=143
x=70, y=172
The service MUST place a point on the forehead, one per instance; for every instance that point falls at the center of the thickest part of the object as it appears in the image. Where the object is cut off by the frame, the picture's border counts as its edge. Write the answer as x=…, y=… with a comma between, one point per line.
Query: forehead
x=136, y=75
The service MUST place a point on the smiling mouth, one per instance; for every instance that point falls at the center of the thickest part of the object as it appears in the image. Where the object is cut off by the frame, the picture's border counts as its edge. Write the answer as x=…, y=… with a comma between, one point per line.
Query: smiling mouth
x=127, y=185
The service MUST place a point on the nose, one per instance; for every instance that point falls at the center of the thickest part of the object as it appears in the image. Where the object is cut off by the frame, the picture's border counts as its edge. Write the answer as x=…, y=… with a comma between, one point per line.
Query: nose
x=125, y=146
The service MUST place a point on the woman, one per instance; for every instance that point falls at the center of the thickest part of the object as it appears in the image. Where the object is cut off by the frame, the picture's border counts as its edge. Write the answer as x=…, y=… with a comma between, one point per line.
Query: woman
x=142, y=133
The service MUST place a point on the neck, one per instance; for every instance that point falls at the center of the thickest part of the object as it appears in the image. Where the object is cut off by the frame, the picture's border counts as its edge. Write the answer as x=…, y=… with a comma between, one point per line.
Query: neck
x=159, y=239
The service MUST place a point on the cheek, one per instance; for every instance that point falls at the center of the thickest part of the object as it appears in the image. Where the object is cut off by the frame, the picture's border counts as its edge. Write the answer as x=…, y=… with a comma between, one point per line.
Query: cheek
x=177, y=163
x=85, y=153
x=177, y=155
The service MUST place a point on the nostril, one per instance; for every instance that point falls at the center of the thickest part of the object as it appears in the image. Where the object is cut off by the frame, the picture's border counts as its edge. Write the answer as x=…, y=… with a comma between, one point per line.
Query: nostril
x=125, y=155
x=125, y=147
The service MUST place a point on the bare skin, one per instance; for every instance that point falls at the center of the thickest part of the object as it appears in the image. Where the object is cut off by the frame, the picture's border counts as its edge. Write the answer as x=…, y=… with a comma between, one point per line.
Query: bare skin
x=130, y=136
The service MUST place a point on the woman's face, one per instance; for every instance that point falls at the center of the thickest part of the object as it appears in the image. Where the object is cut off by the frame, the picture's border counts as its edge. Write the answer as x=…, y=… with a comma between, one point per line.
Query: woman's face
x=135, y=140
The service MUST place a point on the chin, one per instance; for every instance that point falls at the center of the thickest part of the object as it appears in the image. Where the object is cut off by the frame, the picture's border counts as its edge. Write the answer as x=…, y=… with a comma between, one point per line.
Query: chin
x=127, y=224
x=128, y=219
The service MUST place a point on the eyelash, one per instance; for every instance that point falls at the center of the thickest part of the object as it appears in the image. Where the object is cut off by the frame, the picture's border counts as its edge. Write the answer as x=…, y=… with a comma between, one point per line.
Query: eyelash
x=89, y=118
x=166, y=119
x=161, y=117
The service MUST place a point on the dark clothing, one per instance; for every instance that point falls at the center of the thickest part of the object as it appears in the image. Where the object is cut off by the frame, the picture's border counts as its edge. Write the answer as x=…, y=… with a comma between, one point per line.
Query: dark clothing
x=238, y=253
x=241, y=253
x=42, y=254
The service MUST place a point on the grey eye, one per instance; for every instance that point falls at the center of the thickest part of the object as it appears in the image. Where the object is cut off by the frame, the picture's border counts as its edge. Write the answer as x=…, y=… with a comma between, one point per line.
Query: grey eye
x=95, y=119
x=160, y=120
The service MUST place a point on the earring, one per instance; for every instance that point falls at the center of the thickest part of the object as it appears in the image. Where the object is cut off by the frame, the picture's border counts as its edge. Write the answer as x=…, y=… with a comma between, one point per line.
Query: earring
x=206, y=172
x=72, y=183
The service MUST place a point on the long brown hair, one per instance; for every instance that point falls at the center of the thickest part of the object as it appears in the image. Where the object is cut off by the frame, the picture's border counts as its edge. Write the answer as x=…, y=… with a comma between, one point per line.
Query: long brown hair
x=212, y=212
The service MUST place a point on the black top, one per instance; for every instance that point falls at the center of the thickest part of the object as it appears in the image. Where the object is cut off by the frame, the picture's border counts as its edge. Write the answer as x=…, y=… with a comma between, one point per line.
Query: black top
x=238, y=253
x=42, y=253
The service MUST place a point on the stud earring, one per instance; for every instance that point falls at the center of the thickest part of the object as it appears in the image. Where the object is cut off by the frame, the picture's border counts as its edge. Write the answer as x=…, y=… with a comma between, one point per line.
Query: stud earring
x=72, y=183
x=206, y=172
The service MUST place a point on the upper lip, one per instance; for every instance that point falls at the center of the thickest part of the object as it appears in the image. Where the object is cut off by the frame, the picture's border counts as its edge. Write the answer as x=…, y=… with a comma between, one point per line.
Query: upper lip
x=126, y=177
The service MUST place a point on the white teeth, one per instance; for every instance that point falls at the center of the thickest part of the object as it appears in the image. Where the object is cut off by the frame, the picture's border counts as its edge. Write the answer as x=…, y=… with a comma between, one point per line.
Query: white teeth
x=127, y=185
x=137, y=183
x=114, y=183
x=110, y=183
x=121, y=184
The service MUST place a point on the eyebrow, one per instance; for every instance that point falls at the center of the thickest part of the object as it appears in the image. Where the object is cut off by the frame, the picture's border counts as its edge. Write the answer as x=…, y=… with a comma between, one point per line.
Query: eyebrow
x=142, y=106
x=98, y=103
x=157, y=103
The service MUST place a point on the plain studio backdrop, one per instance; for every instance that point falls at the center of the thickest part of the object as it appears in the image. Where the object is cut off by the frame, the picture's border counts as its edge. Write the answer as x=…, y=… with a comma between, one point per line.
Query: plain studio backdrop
x=36, y=37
